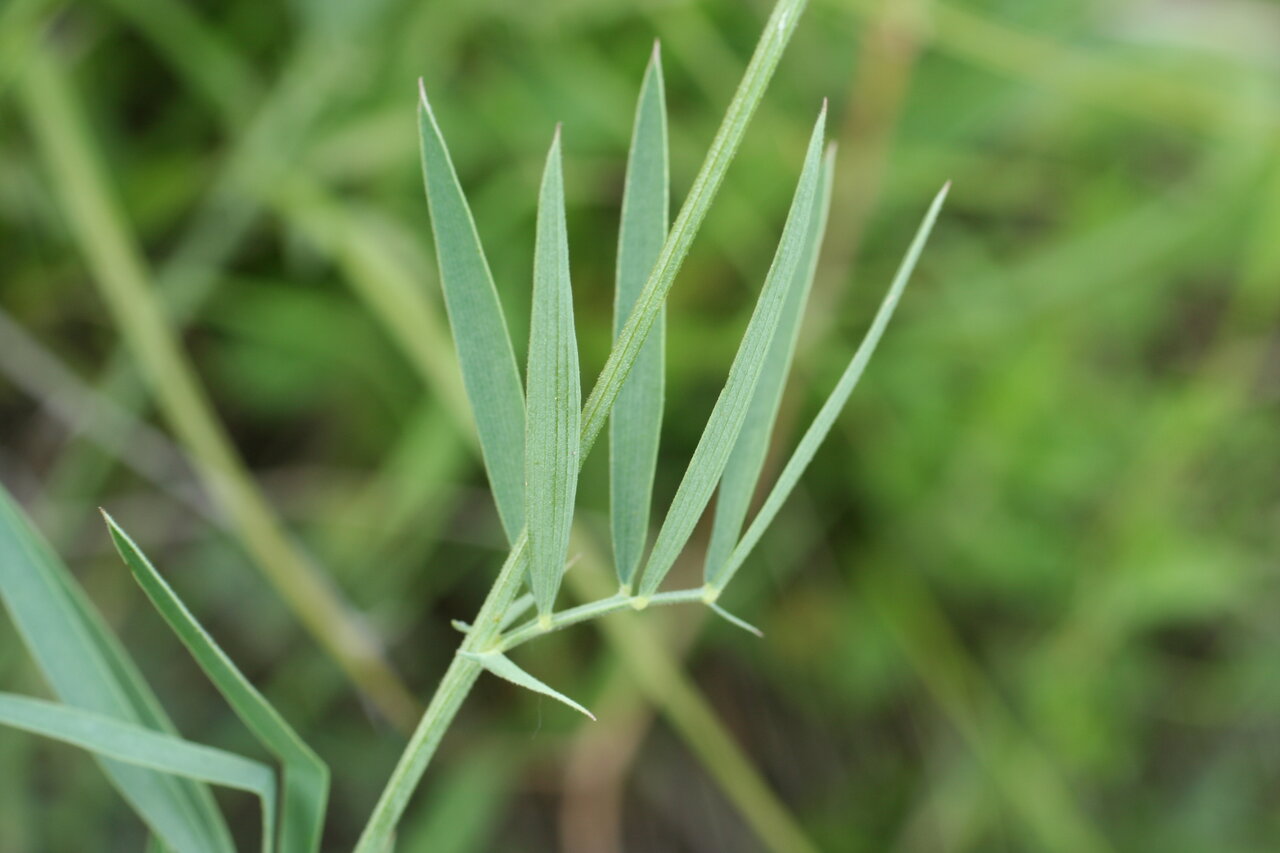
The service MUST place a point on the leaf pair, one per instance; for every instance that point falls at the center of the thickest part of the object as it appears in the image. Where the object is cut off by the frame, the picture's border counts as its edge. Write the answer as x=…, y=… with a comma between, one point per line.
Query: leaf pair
x=532, y=458
x=719, y=575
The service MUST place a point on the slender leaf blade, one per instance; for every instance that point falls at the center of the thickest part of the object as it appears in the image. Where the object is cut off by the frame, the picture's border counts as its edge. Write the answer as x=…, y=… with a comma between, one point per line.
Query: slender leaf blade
x=305, y=781
x=826, y=416
x=87, y=668
x=143, y=747
x=480, y=335
x=742, y=471
x=555, y=394
x=712, y=453
x=636, y=421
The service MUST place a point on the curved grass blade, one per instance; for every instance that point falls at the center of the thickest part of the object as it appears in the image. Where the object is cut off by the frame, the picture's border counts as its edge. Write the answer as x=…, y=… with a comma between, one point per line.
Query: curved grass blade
x=555, y=395
x=305, y=780
x=721, y=431
x=480, y=334
x=132, y=744
x=826, y=416
x=87, y=668
x=502, y=666
x=742, y=471
x=636, y=421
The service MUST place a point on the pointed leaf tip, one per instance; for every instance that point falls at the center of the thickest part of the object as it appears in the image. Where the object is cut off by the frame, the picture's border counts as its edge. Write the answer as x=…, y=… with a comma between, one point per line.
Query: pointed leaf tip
x=422, y=94
x=734, y=620
x=503, y=667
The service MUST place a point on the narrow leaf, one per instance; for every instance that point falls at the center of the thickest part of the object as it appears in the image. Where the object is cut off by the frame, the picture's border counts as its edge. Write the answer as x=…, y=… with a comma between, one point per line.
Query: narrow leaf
x=721, y=431
x=724, y=147
x=636, y=421
x=87, y=668
x=305, y=780
x=555, y=394
x=501, y=666
x=132, y=744
x=826, y=416
x=480, y=335
x=742, y=471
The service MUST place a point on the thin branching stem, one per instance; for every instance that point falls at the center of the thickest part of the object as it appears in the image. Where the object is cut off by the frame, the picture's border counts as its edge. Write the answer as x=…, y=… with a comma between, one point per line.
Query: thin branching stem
x=594, y=610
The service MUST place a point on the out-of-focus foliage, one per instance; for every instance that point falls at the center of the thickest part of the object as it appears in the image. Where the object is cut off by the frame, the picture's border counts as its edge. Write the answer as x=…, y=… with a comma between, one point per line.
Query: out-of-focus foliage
x=1024, y=600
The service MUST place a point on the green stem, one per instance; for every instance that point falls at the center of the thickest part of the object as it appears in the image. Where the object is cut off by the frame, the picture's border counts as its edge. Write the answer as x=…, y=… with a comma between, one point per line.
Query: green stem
x=453, y=688
x=594, y=610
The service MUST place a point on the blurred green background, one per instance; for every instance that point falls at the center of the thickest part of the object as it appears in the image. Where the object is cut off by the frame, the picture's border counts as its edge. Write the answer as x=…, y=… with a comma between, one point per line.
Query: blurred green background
x=1026, y=598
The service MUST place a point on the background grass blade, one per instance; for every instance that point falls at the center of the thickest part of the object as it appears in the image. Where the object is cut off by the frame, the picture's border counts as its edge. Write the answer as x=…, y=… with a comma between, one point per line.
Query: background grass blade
x=636, y=422
x=479, y=328
x=132, y=744
x=86, y=668
x=709, y=458
x=305, y=780
x=826, y=416
x=555, y=395
x=99, y=226
x=742, y=471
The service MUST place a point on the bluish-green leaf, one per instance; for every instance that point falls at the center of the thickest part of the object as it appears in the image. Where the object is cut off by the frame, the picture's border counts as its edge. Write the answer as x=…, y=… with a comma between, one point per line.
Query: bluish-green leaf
x=725, y=422
x=826, y=416
x=742, y=471
x=502, y=666
x=480, y=334
x=305, y=780
x=724, y=147
x=555, y=395
x=636, y=421
x=141, y=747
x=86, y=668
